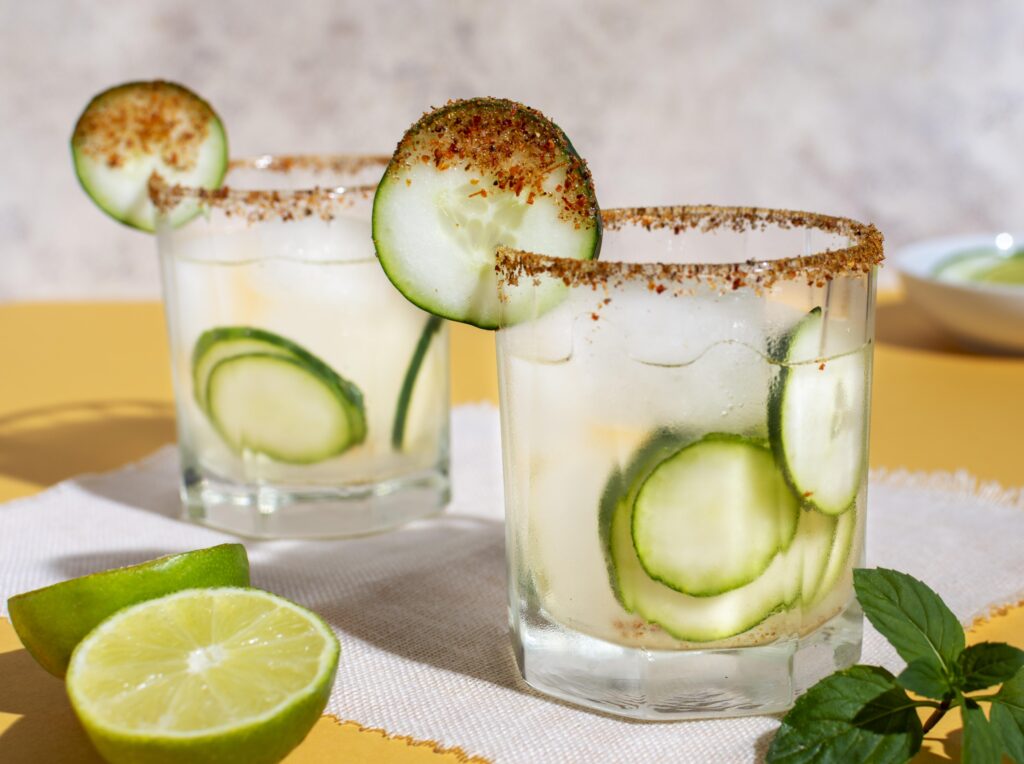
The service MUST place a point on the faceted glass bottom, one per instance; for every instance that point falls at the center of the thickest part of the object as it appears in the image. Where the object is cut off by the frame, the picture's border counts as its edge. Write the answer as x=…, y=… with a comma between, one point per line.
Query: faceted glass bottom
x=269, y=511
x=670, y=684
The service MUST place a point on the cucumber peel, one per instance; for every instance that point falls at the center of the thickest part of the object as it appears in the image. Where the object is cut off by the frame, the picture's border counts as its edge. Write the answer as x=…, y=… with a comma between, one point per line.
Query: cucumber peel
x=467, y=178
x=129, y=132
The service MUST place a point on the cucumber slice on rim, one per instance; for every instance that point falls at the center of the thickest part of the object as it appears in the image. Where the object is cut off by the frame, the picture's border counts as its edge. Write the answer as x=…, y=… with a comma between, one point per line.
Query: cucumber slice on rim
x=222, y=342
x=816, y=418
x=131, y=131
x=466, y=178
x=711, y=518
x=280, y=407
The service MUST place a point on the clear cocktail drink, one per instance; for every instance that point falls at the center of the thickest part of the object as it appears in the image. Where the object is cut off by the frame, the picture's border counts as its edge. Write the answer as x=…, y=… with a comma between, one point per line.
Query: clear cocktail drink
x=685, y=451
x=312, y=398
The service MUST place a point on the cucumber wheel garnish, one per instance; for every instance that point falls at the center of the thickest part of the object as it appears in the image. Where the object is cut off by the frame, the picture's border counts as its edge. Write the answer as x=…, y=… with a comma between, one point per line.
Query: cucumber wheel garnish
x=816, y=418
x=268, y=395
x=467, y=178
x=131, y=131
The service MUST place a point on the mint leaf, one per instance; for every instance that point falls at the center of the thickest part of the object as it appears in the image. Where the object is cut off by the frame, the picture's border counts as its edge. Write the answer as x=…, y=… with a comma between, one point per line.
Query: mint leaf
x=981, y=741
x=911, y=616
x=859, y=714
x=1008, y=716
x=989, y=663
x=926, y=677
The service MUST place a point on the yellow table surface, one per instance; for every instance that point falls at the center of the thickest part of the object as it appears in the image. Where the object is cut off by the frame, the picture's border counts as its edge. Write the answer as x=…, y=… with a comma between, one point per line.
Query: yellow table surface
x=86, y=387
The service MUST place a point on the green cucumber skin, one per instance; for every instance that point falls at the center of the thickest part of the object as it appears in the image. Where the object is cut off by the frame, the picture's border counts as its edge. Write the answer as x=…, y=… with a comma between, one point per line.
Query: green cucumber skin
x=354, y=406
x=776, y=403
x=389, y=177
x=80, y=171
x=336, y=390
x=432, y=327
x=623, y=484
x=785, y=541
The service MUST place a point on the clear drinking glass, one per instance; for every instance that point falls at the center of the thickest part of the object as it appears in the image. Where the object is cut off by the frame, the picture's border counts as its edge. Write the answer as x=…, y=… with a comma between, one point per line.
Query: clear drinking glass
x=312, y=398
x=684, y=429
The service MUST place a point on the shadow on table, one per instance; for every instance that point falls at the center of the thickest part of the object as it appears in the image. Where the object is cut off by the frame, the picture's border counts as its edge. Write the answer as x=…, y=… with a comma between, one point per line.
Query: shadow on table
x=47, y=445
x=47, y=730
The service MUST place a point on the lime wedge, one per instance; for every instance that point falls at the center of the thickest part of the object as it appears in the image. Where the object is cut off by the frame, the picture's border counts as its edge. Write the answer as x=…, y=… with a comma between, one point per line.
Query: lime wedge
x=203, y=675
x=51, y=621
x=1009, y=270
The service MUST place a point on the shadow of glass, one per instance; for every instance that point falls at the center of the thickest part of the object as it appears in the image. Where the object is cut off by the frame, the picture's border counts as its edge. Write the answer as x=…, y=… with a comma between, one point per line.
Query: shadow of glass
x=433, y=593
x=47, y=730
x=47, y=445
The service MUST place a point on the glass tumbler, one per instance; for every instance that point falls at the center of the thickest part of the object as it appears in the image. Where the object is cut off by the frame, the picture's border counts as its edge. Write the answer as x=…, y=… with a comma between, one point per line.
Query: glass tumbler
x=312, y=398
x=684, y=427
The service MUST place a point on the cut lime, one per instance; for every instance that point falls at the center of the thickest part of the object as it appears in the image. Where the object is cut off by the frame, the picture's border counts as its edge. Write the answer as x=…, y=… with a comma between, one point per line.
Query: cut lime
x=51, y=621
x=203, y=675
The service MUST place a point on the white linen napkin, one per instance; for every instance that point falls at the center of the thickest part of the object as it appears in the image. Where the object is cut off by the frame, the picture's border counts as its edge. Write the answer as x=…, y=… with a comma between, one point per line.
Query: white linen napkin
x=421, y=611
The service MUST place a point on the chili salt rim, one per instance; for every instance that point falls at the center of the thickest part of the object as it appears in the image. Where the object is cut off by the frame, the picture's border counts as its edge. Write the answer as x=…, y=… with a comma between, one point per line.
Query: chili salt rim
x=262, y=204
x=859, y=258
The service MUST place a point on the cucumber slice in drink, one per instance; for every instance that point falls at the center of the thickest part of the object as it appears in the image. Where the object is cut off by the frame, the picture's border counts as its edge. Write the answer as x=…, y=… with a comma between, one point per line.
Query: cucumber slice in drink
x=812, y=548
x=131, y=131
x=816, y=418
x=691, y=619
x=222, y=342
x=621, y=489
x=711, y=518
x=432, y=327
x=838, y=556
x=281, y=407
x=466, y=178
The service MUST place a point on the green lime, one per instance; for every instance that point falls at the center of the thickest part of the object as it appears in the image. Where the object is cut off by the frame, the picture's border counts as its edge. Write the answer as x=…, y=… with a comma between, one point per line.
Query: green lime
x=203, y=675
x=52, y=620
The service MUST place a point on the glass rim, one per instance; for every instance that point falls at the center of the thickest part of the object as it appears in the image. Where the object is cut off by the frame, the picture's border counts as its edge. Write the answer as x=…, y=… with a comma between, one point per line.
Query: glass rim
x=266, y=203
x=863, y=253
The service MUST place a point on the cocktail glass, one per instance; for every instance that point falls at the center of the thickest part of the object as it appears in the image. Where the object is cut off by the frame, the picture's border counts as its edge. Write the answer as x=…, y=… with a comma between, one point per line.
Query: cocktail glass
x=312, y=398
x=685, y=430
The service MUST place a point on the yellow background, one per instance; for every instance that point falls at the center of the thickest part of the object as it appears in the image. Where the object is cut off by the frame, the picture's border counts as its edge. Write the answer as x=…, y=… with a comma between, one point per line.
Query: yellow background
x=86, y=387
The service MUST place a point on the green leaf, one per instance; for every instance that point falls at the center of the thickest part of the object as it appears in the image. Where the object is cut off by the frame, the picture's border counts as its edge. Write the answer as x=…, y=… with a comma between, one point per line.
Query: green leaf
x=1008, y=716
x=911, y=616
x=926, y=677
x=859, y=714
x=989, y=663
x=981, y=740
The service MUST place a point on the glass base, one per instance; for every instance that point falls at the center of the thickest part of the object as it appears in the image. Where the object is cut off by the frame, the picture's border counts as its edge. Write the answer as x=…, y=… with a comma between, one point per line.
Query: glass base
x=270, y=511
x=671, y=684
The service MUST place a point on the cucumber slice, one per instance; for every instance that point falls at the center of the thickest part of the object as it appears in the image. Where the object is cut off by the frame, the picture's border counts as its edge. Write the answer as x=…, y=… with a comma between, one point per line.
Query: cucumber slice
x=279, y=407
x=131, y=131
x=432, y=327
x=711, y=518
x=471, y=176
x=622, y=486
x=692, y=619
x=812, y=548
x=223, y=342
x=838, y=556
x=816, y=418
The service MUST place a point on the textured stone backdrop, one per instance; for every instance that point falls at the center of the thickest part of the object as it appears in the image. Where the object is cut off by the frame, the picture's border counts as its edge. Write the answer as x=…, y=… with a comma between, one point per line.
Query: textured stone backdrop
x=909, y=114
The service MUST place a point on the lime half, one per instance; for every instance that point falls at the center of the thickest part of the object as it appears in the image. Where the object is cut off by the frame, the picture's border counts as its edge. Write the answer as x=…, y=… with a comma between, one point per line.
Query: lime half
x=51, y=621
x=203, y=675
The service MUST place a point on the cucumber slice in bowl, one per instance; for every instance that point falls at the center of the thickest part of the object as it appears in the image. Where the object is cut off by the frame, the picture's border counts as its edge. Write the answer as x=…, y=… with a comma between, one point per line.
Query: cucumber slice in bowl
x=816, y=418
x=280, y=407
x=129, y=132
x=467, y=178
x=711, y=518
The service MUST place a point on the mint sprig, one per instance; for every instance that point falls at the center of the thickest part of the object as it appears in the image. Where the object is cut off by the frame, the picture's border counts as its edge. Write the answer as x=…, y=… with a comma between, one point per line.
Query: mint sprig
x=866, y=714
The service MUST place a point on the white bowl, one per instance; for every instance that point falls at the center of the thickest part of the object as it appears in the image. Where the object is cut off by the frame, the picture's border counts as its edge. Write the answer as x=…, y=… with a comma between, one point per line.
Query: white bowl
x=980, y=315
